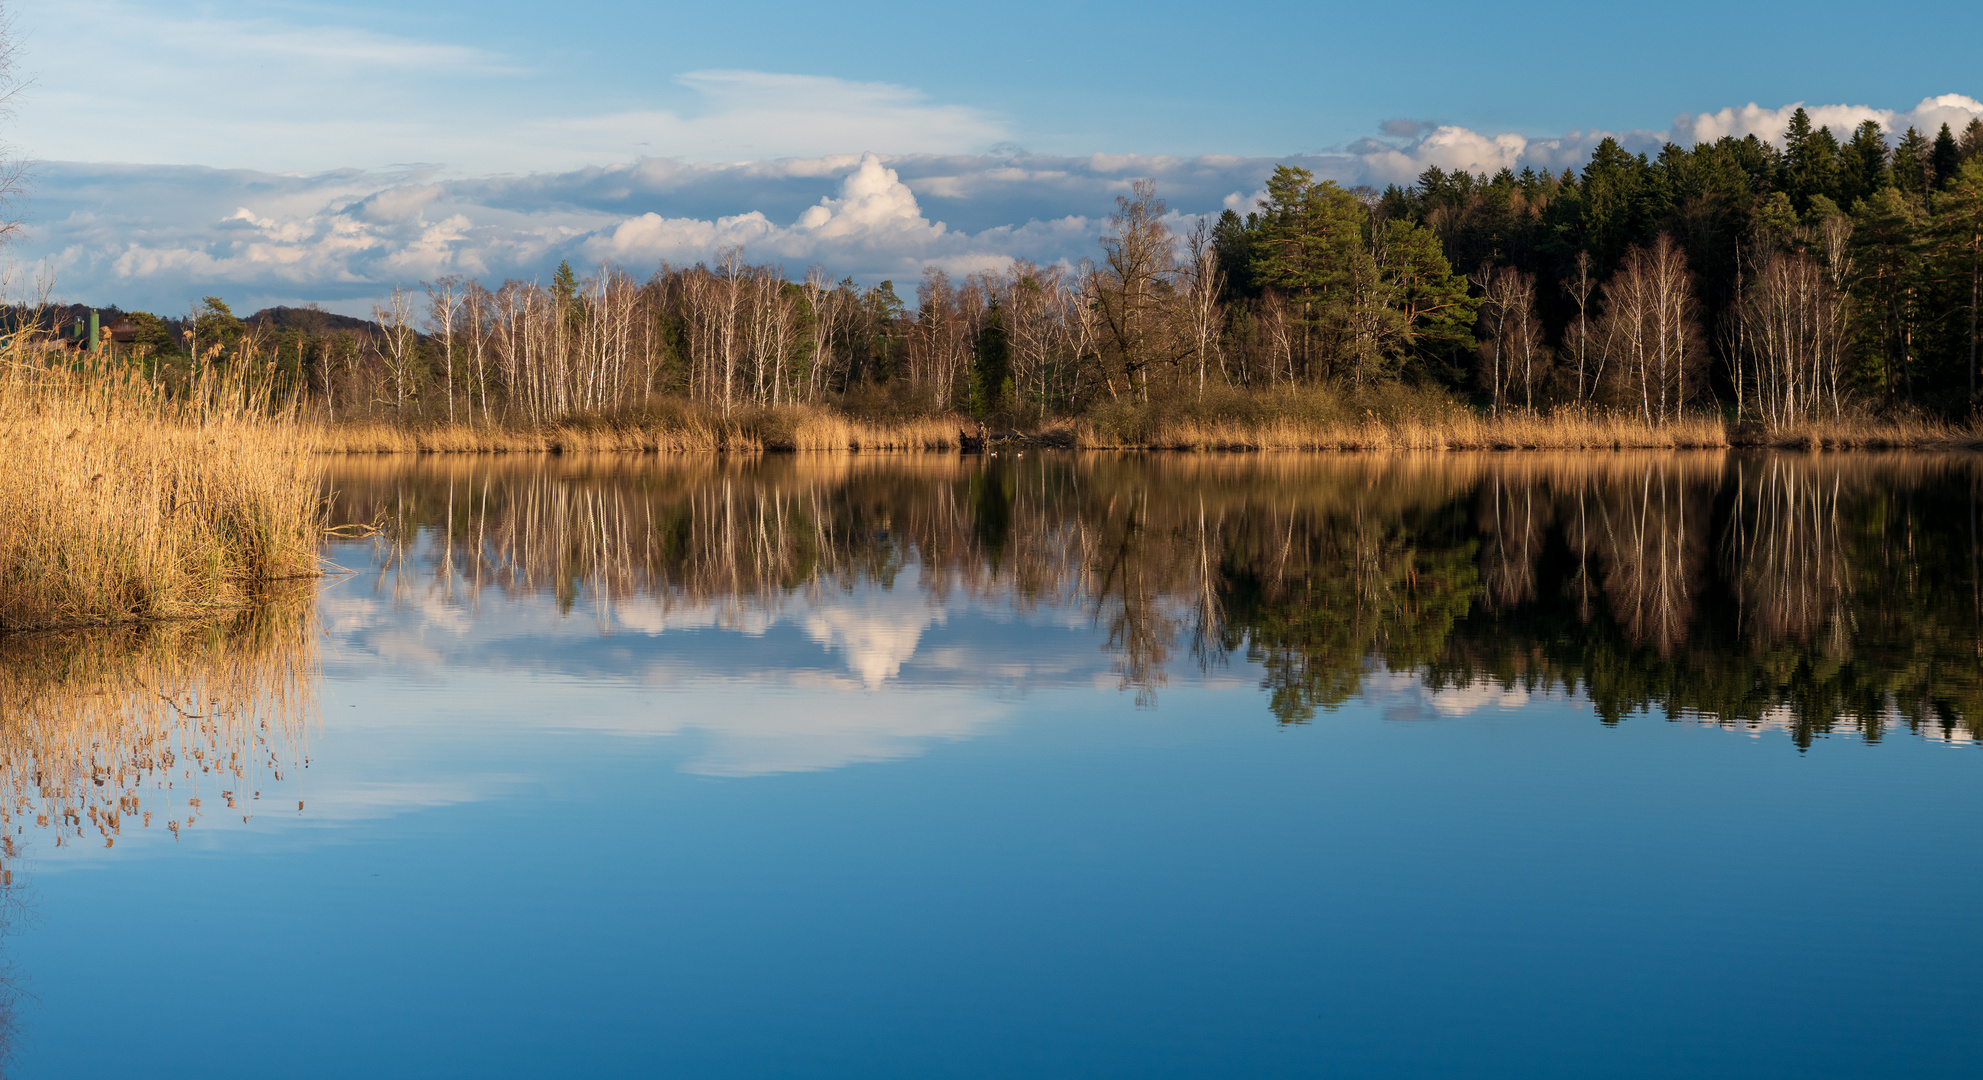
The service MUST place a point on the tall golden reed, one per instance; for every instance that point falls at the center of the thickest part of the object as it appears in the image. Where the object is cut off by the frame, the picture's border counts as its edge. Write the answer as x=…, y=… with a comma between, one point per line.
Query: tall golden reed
x=122, y=499
x=682, y=430
x=1462, y=431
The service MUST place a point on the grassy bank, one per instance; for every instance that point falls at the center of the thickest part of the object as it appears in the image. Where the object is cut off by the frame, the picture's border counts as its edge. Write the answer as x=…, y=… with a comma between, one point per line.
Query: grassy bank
x=1404, y=418
x=119, y=503
x=1396, y=418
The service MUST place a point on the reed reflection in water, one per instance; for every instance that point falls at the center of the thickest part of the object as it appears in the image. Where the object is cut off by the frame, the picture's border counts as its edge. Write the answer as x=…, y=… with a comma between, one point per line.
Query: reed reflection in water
x=1809, y=593
x=161, y=726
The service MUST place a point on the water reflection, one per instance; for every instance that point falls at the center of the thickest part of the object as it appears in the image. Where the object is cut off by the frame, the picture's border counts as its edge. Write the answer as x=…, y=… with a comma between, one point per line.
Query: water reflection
x=1812, y=594
x=495, y=663
x=159, y=727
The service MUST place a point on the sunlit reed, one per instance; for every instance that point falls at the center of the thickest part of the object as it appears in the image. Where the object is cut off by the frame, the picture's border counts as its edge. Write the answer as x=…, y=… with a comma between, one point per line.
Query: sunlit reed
x=124, y=499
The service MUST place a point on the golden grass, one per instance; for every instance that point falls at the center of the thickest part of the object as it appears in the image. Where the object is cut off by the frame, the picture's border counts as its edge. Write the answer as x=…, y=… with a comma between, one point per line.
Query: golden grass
x=1403, y=418
x=120, y=501
x=1854, y=432
x=1458, y=431
x=678, y=429
x=1391, y=418
x=99, y=721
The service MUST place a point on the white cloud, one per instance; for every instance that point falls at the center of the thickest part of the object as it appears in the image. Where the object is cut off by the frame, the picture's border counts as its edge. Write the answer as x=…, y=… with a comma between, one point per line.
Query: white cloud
x=1955, y=110
x=872, y=199
x=160, y=237
x=877, y=635
x=858, y=681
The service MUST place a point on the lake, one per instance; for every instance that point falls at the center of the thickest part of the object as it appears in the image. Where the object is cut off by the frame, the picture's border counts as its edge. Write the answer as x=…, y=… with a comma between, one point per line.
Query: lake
x=1041, y=764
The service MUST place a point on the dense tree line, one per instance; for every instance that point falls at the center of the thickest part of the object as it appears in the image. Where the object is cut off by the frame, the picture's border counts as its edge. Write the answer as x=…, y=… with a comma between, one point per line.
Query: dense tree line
x=1782, y=284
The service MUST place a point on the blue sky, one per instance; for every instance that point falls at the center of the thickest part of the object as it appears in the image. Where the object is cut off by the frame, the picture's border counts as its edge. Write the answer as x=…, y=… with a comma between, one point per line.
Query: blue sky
x=322, y=152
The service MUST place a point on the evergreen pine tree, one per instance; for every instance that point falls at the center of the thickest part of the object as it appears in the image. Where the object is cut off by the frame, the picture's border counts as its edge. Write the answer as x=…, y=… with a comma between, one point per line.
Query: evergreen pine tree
x=1864, y=168
x=1810, y=161
x=1394, y=205
x=1619, y=205
x=1971, y=143
x=564, y=285
x=1232, y=238
x=564, y=290
x=1911, y=163
x=1959, y=251
x=1886, y=254
x=991, y=368
x=1797, y=134
x=1944, y=157
x=1308, y=232
x=215, y=325
x=1774, y=220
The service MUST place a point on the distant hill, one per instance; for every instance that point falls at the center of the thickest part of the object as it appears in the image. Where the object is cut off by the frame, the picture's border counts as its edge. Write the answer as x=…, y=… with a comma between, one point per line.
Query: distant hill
x=308, y=320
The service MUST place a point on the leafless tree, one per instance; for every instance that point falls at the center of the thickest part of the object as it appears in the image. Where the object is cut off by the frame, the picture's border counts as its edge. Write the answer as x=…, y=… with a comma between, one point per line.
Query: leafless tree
x=1651, y=329
x=1204, y=310
x=1140, y=267
x=13, y=166
x=397, y=343
x=1794, y=320
x=444, y=300
x=1579, y=285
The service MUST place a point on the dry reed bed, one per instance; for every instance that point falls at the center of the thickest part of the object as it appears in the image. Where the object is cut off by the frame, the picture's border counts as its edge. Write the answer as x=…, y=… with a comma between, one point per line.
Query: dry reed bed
x=120, y=502
x=1869, y=433
x=1287, y=422
x=756, y=430
x=1462, y=431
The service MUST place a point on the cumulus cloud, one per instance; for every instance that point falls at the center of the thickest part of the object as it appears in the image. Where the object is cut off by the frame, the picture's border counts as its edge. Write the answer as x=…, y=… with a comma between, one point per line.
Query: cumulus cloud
x=1955, y=110
x=342, y=238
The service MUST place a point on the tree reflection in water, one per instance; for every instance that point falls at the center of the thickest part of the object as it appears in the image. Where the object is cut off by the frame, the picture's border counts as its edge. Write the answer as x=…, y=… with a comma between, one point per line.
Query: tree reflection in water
x=1813, y=593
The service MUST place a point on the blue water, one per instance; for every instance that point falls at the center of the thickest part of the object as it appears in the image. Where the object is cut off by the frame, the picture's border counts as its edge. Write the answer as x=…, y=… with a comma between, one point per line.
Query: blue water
x=878, y=833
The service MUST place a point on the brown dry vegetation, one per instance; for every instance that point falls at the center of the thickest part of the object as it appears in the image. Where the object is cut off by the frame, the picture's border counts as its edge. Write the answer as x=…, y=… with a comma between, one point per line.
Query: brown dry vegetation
x=1404, y=418
x=1867, y=432
x=122, y=502
x=1392, y=418
x=678, y=428
x=1381, y=418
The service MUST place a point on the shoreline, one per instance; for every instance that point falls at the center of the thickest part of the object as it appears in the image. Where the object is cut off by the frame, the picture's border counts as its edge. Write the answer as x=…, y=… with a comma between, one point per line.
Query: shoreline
x=1523, y=435
x=200, y=613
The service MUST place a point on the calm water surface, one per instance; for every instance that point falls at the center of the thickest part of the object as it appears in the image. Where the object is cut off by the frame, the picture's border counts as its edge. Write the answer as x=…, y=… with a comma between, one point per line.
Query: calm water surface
x=1519, y=766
